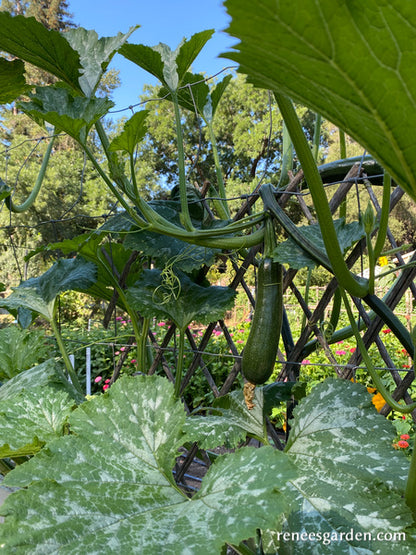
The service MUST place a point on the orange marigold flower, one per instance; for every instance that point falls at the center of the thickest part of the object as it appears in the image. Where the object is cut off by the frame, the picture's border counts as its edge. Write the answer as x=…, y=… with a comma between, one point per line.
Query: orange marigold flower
x=378, y=401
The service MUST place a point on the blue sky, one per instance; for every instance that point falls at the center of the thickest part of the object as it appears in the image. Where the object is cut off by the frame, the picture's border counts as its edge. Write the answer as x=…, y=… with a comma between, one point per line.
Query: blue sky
x=167, y=21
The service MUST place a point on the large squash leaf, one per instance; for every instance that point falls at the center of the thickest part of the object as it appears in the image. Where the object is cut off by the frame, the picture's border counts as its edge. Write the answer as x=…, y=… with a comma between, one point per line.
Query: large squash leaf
x=179, y=298
x=48, y=375
x=350, y=61
x=349, y=474
x=230, y=423
x=169, y=66
x=30, y=419
x=39, y=294
x=28, y=39
x=113, y=492
x=289, y=252
x=95, y=54
x=74, y=115
x=12, y=81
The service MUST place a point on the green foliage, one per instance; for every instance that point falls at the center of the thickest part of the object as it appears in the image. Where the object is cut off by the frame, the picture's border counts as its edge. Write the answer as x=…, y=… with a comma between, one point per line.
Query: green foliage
x=176, y=297
x=130, y=439
x=338, y=56
x=21, y=349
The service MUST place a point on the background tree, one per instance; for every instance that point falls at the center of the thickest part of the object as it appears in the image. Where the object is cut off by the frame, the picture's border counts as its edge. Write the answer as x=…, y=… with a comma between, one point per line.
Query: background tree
x=71, y=195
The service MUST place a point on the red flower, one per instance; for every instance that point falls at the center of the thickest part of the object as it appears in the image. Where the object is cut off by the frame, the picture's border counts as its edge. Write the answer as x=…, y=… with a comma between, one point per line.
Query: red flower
x=403, y=444
x=386, y=331
x=405, y=436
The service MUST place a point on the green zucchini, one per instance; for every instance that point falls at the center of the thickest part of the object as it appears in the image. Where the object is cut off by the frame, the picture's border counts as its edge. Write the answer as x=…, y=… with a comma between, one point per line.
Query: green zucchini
x=260, y=351
x=336, y=171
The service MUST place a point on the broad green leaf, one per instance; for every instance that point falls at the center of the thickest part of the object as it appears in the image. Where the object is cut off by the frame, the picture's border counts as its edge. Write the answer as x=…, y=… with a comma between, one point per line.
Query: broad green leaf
x=95, y=54
x=178, y=298
x=32, y=418
x=230, y=423
x=113, y=492
x=169, y=66
x=39, y=294
x=350, y=476
x=133, y=132
x=74, y=115
x=12, y=81
x=28, y=39
x=352, y=62
x=20, y=349
x=48, y=375
x=289, y=252
x=195, y=95
x=170, y=251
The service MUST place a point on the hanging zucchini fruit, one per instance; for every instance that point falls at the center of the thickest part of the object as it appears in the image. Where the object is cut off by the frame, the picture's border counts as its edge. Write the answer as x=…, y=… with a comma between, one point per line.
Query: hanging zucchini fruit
x=260, y=351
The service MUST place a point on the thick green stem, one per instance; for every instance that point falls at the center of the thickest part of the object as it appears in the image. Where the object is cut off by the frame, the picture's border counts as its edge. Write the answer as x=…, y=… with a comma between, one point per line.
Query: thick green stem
x=384, y=216
x=287, y=158
x=306, y=295
x=33, y=195
x=221, y=206
x=342, y=145
x=323, y=212
x=133, y=316
x=381, y=388
x=179, y=365
x=68, y=365
x=185, y=216
x=142, y=346
x=316, y=137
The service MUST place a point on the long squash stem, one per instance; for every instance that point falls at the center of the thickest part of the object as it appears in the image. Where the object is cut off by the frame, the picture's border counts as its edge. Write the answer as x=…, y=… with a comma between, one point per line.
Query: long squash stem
x=221, y=206
x=185, y=216
x=179, y=365
x=316, y=137
x=19, y=208
x=287, y=158
x=142, y=350
x=384, y=216
x=323, y=212
x=381, y=388
x=65, y=357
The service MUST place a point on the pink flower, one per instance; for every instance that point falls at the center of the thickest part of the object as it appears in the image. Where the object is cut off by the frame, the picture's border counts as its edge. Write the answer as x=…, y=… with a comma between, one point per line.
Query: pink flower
x=117, y=353
x=98, y=379
x=123, y=349
x=107, y=381
x=161, y=324
x=352, y=350
x=340, y=352
x=119, y=318
x=106, y=386
x=133, y=361
x=403, y=444
x=306, y=361
x=240, y=341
